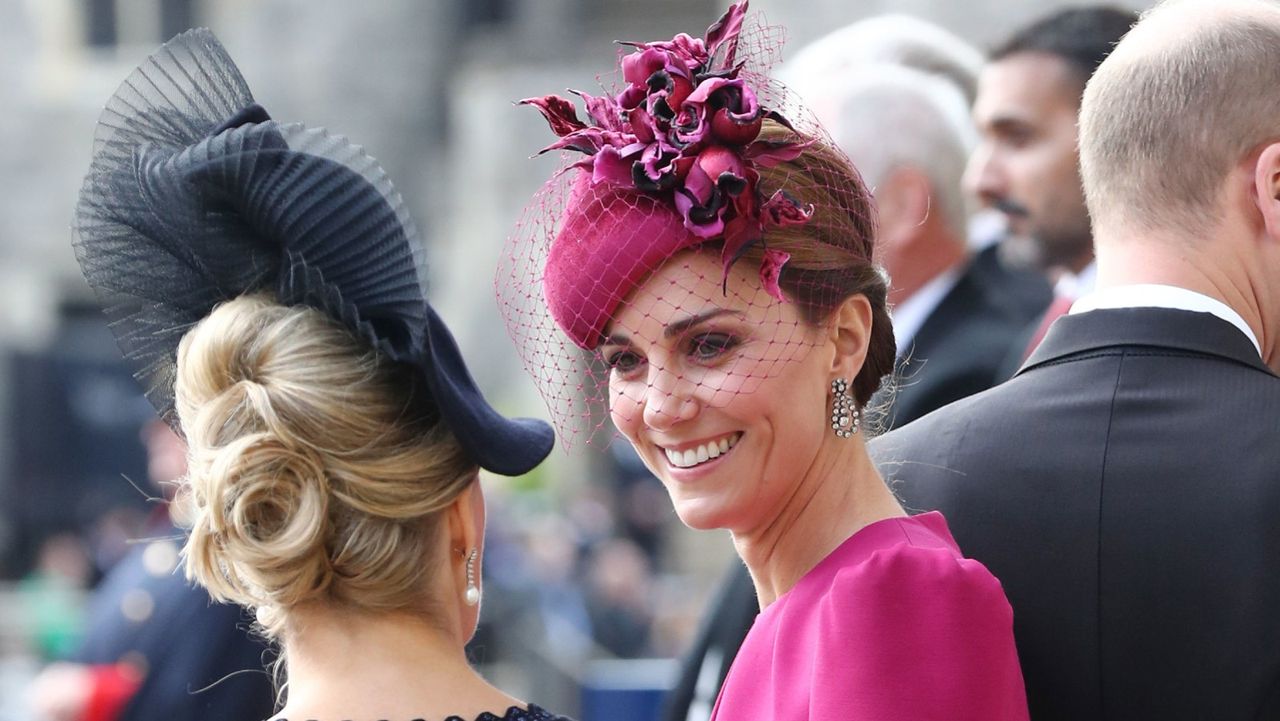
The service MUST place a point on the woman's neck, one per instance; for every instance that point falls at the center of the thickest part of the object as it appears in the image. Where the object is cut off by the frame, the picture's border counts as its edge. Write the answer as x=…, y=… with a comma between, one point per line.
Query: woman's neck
x=350, y=665
x=840, y=494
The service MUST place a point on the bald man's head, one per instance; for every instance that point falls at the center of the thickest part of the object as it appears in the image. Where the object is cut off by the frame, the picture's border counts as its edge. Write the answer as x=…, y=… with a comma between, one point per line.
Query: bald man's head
x=1189, y=93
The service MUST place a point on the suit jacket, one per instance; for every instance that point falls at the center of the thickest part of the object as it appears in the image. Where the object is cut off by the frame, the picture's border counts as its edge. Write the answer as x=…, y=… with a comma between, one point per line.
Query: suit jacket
x=1125, y=488
x=957, y=352
x=1022, y=292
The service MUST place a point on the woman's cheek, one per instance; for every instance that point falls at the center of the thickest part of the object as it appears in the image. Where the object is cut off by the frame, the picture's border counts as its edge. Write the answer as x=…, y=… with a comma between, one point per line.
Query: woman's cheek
x=626, y=407
x=723, y=387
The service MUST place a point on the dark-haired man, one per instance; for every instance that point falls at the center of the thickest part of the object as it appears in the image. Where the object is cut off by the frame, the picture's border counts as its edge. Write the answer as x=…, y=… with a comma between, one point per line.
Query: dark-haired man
x=1026, y=164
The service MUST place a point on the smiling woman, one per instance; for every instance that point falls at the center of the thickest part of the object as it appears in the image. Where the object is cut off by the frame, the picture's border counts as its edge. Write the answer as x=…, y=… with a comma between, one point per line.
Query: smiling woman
x=713, y=253
x=696, y=368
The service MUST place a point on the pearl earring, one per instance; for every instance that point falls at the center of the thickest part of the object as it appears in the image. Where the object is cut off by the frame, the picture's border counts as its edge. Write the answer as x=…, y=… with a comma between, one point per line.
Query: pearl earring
x=472, y=595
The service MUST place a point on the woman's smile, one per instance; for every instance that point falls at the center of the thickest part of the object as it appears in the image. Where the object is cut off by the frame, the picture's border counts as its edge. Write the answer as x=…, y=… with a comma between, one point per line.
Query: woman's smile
x=698, y=453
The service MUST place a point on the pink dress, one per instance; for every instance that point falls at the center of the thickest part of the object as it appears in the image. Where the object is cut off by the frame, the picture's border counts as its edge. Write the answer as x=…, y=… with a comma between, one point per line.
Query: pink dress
x=894, y=625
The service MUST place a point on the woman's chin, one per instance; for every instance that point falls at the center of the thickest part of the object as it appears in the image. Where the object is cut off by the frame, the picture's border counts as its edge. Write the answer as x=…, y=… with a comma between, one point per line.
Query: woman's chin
x=701, y=515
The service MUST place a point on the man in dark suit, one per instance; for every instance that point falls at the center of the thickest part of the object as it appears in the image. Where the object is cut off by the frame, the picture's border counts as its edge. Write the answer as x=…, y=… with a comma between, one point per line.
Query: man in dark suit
x=956, y=352
x=1125, y=484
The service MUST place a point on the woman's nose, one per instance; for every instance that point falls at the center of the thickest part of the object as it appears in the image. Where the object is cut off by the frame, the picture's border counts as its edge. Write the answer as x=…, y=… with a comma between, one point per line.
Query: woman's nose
x=669, y=399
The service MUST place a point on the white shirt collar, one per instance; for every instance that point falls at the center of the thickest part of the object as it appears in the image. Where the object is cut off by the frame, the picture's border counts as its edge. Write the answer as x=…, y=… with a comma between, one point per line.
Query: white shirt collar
x=1077, y=285
x=1164, y=296
x=909, y=315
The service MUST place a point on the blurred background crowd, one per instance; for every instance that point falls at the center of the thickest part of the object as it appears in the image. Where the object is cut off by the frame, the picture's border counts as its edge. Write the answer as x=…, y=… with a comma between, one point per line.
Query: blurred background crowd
x=596, y=587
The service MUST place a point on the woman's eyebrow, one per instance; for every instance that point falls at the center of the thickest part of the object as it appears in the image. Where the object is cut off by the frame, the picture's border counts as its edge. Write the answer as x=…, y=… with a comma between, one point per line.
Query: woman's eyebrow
x=684, y=324
x=675, y=328
x=615, y=339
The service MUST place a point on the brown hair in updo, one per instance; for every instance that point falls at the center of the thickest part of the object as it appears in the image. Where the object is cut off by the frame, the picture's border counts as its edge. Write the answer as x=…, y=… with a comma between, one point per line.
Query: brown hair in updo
x=831, y=255
x=314, y=475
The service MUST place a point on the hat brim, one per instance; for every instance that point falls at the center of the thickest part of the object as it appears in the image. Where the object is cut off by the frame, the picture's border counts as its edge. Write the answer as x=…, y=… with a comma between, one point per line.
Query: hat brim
x=610, y=240
x=506, y=446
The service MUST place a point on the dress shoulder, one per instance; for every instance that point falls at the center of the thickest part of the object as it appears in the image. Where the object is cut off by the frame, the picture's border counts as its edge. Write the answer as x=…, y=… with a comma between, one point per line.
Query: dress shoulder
x=915, y=630
x=919, y=578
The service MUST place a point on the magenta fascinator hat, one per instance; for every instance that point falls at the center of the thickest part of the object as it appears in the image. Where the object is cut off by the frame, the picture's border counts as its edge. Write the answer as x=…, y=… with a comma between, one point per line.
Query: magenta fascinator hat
x=689, y=146
x=671, y=163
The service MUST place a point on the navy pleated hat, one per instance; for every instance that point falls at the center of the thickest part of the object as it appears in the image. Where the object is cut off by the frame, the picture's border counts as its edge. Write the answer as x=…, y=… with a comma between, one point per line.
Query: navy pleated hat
x=196, y=196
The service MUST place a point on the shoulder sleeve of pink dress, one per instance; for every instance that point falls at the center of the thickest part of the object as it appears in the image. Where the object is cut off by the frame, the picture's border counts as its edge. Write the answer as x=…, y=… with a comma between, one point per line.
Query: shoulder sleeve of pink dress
x=916, y=633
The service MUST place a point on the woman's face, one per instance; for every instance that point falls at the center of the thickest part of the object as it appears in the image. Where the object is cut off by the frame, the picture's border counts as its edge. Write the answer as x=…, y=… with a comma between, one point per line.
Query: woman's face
x=724, y=395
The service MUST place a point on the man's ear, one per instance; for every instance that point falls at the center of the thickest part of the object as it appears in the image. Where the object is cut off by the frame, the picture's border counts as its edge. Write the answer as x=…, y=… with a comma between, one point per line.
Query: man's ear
x=850, y=332
x=903, y=199
x=1266, y=178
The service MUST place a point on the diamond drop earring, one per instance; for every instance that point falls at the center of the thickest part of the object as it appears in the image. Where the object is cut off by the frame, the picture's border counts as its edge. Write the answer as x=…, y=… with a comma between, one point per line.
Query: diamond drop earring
x=845, y=417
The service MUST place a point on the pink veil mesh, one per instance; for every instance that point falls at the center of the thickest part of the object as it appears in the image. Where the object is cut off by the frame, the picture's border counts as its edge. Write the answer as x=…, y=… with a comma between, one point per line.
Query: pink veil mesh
x=598, y=276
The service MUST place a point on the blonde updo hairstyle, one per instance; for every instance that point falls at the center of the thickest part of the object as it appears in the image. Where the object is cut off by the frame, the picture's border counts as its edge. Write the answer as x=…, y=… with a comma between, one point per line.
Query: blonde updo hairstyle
x=316, y=473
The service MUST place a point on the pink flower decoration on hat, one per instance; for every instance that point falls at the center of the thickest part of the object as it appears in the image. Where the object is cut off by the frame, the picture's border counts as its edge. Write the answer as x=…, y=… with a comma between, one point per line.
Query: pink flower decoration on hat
x=685, y=129
x=771, y=271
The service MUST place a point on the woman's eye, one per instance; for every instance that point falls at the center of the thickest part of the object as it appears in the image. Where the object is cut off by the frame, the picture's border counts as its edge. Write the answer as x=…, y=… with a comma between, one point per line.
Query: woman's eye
x=623, y=361
x=710, y=346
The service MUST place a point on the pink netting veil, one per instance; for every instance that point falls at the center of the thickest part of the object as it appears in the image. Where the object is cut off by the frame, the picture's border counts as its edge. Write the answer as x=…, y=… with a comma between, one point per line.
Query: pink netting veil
x=701, y=228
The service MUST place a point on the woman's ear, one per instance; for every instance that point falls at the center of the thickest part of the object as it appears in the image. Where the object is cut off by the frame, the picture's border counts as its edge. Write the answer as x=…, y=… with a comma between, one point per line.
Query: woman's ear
x=465, y=519
x=850, y=332
x=1267, y=188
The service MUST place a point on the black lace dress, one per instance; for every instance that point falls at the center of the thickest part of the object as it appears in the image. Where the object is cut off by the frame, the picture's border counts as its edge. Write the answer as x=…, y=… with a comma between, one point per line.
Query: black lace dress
x=515, y=713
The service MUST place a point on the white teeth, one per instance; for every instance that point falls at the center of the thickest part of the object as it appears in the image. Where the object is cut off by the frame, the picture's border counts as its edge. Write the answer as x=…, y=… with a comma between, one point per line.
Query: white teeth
x=701, y=454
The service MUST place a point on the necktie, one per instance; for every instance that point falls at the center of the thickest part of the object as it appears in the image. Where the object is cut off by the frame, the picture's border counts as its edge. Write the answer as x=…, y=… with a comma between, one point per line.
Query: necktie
x=1059, y=307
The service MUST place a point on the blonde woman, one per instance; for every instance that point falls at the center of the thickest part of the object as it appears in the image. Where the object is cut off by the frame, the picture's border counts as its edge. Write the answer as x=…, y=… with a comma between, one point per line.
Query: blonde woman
x=263, y=280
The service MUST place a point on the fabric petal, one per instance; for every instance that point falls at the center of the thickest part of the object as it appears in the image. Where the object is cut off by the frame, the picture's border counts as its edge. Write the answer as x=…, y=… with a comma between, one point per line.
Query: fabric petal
x=782, y=210
x=724, y=32
x=587, y=140
x=560, y=113
x=610, y=166
x=771, y=272
x=768, y=153
x=603, y=110
x=638, y=67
